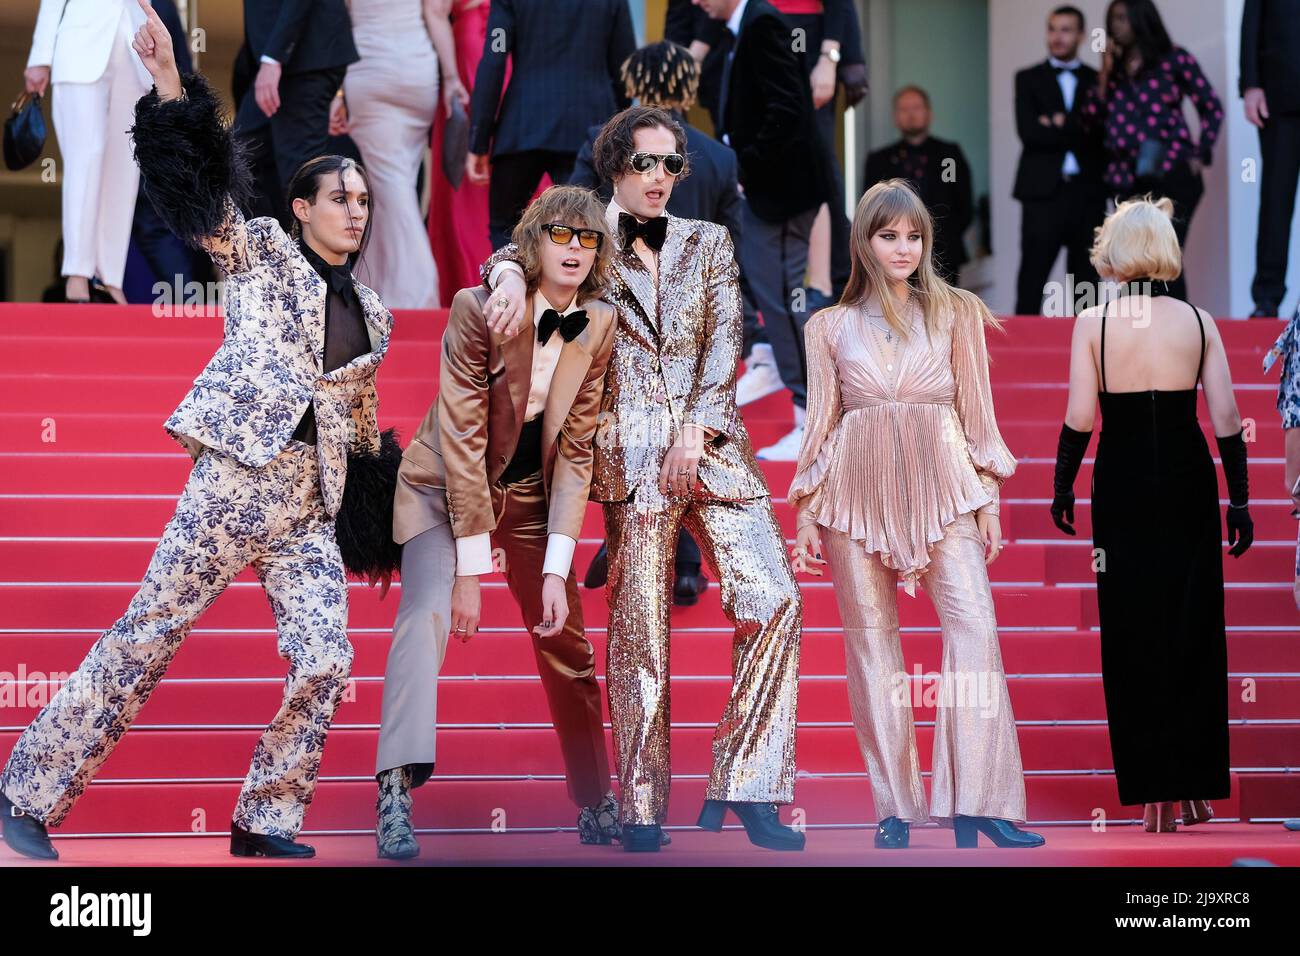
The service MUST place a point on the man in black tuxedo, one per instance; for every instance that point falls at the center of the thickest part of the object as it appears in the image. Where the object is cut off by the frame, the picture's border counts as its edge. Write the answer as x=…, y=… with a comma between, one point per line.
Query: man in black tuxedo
x=765, y=114
x=1270, y=86
x=833, y=55
x=1059, y=185
x=565, y=56
x=939, y=171
x=302, y=49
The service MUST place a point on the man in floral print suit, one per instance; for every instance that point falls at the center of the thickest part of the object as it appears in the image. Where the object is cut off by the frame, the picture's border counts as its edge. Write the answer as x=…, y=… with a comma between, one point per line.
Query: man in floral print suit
x=260, y=493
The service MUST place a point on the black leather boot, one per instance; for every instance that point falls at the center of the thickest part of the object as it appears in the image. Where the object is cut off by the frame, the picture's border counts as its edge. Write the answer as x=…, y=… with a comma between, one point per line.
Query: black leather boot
x=24, y=833
x=688, y=588
x=642, y=838
x=243, y=843
x=598, y=570
x=892, y=834
x=762, y=824
x=1003, y=833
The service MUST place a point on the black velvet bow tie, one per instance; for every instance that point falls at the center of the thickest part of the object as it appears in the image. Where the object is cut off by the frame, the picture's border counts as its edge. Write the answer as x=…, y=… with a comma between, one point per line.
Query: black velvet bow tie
x=1064, y=69
x=570, y=325
x=652, y=232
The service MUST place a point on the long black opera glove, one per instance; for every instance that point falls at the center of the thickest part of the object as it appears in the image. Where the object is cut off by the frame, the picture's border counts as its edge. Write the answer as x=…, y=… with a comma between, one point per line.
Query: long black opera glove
x=364, y=523
x=1241, y=530
x=1070, y=448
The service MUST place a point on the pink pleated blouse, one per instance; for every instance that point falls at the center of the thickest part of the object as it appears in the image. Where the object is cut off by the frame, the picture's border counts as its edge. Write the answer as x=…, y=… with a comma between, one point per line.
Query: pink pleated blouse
x=892, y=456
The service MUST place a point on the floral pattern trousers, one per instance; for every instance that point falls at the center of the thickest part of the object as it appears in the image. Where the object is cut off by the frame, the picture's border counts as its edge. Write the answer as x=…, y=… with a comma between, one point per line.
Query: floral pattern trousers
x=229, y=516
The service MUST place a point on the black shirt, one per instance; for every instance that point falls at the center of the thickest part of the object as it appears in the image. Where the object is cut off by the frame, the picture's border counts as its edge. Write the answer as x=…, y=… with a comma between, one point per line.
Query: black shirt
x=346, y=336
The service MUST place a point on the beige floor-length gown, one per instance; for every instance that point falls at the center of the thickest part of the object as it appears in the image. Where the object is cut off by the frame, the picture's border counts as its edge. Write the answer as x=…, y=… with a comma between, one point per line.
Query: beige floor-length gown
x=393, y=95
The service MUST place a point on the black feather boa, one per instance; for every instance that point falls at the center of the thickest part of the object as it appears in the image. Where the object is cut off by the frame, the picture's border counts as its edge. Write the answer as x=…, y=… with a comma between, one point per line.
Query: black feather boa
x=189, y=159
x=364, y=523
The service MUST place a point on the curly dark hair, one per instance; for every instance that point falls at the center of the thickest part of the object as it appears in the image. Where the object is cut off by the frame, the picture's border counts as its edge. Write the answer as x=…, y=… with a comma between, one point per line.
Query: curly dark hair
x=614, y=145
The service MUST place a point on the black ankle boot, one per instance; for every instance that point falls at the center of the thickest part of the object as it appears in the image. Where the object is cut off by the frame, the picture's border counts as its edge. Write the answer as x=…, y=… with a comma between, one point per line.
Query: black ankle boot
x=598, y=570
x=244, y=843
x=688, y=588
x=762, y=825
x=24, y=833
x=892, y=834
x=642, y=838
x=1003, y=833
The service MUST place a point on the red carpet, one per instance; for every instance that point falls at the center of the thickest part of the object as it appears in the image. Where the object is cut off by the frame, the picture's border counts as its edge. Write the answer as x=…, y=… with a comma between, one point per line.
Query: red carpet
x=88, y=479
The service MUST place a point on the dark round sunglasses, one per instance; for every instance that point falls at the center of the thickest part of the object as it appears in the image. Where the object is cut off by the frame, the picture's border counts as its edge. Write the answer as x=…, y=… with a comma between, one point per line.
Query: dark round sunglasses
x=674, y=163
x=561, y=235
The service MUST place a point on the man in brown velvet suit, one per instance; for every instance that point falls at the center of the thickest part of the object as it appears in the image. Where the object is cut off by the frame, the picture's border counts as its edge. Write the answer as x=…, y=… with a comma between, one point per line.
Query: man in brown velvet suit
x=502, y=463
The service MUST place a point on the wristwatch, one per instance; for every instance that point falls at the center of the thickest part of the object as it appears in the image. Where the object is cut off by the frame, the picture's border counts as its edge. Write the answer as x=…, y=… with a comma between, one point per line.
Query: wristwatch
x=833, y=54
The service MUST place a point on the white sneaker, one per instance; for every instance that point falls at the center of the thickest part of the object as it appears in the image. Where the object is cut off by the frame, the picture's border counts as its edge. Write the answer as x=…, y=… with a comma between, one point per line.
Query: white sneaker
x=787, y=449
x=761, y=377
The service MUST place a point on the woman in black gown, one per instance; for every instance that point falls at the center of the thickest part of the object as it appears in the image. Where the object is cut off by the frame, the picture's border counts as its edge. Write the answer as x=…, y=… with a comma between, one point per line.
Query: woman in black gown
x=1155, y=517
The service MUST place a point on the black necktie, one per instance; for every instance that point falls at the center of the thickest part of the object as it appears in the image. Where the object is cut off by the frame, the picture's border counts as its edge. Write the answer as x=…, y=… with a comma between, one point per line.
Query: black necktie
x=652, y=231
x=337, y=278
x=728, y=45
x=340, y=280
x=570, y=325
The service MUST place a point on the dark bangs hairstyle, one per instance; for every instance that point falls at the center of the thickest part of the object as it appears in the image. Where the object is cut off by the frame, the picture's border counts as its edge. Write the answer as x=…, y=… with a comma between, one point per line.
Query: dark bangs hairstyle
x=326, y=172
x=574, y=206
x=1149, y=34
x=614, y=146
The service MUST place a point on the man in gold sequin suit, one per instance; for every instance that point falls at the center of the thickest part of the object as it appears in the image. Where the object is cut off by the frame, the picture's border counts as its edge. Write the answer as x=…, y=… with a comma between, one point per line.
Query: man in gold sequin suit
x=672, y=450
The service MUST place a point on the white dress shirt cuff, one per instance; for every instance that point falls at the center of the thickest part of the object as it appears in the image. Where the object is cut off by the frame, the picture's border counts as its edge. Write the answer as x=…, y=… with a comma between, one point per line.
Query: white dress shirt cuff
x=495, y=275
x=269, y=59
x=474, y=554
x=559, y=554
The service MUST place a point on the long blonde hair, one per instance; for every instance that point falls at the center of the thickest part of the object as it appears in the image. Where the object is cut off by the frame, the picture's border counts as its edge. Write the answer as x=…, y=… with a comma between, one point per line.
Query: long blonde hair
x=881, y=205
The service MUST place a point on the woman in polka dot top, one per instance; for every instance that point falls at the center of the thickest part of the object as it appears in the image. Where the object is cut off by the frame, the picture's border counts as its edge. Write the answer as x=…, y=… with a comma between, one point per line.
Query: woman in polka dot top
x=1138, y=105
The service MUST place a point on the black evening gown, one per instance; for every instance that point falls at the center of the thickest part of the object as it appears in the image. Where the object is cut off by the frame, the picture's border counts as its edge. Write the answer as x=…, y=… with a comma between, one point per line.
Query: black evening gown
x=1156, y=521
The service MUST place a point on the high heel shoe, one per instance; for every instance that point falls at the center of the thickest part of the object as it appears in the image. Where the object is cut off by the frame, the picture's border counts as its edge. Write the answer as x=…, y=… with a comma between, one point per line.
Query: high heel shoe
x=244, y=843
x=892, y=834
x=762, y=825
x=1159, y=818
x=1196, y=811
x=1003, y=833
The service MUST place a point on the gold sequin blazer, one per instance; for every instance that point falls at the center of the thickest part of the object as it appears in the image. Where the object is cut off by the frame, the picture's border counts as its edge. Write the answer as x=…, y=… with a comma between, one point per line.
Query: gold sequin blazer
x=674, y=363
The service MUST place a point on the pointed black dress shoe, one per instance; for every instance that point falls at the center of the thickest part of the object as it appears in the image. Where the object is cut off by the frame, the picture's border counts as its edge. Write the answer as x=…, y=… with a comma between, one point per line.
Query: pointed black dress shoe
x=243, y=843
x=1003, y=833
x=598, y=570
x=762, y=824
x=1266, y=310
x=24, y=833
x=892, y=834
x=688, y=588
x=642, y=838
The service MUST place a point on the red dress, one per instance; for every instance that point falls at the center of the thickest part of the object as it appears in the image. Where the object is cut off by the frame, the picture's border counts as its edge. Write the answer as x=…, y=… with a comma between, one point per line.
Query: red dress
x=458, y=218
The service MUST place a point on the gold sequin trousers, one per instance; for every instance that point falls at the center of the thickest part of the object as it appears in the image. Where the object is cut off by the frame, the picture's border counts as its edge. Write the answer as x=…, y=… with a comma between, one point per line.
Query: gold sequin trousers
x=976, y=763
x=754, y=745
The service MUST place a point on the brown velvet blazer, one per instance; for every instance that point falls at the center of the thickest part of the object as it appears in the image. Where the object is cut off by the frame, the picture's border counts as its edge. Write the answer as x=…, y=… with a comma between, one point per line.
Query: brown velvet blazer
x=456, y=458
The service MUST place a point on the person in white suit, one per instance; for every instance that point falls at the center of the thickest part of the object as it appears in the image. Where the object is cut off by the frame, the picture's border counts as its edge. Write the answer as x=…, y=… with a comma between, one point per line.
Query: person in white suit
x=84, y=48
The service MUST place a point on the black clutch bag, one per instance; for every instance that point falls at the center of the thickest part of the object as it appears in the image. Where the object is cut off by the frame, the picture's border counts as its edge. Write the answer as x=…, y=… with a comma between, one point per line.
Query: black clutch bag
x=1150, y=159
x=455, y=144
x=24, y=139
